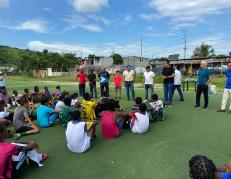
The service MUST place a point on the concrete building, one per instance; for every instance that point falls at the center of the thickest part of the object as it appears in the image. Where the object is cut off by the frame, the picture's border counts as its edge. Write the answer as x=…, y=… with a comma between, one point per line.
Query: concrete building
x=138, y=63
x=191, y=66
x=99, y=61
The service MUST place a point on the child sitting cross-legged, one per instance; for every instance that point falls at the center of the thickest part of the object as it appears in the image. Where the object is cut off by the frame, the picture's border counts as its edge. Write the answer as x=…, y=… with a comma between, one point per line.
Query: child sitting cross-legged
x=14, y=100
x=36, y=95
x=112, y=120
x=28, y=95
x=60, y=103
x=13, y=155
x=138, y=102
x=88, y=107
x=58, y=92
x=47, y=92
x=46, y=115
x=140, y=120
x=22, y=122
x=74, y=101
x=5, y=117
x=80, y=134
x=157, y=107
x=65, y=113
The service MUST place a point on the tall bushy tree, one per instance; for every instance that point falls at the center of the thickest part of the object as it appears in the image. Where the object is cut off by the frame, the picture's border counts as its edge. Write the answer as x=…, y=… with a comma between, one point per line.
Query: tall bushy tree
x=204, y=50
x=117, y=59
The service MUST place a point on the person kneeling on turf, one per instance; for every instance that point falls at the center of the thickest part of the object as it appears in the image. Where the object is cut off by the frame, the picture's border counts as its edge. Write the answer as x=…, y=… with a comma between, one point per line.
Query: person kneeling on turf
x=80, y=134
x=13, y=155
x=22, y=122
x=140, y=120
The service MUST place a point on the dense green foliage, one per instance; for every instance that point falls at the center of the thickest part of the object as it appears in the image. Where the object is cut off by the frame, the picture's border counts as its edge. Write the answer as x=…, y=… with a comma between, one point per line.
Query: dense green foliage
x=203, y=50
x=117, y=59
x=27, y=60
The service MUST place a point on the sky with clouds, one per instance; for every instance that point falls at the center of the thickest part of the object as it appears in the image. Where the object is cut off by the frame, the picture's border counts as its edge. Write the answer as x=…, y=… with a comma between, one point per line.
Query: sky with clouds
x=104, y=26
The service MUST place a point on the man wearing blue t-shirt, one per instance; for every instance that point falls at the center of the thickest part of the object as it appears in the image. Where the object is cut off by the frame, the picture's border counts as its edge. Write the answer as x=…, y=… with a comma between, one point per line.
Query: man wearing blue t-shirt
x=104, y=82
x=204, y=78
x=227, y=91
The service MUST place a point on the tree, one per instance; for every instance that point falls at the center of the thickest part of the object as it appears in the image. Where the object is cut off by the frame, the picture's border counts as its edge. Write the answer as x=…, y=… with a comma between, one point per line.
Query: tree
x=45, y=51
x=204, y=50
x=117, y=59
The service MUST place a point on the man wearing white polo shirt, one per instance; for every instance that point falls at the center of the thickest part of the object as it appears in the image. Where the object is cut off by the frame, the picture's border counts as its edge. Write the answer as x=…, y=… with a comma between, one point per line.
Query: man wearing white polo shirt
x=148, y=81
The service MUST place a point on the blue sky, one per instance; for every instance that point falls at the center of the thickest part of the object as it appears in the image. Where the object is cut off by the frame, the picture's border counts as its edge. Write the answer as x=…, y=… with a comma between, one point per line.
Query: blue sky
x=104, y=26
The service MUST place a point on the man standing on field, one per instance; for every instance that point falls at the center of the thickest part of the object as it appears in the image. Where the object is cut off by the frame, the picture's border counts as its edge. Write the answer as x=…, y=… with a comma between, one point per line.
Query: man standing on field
x=204, y=78
x=148, y=81
x=168, y=75
x=82, y=78
x=227, y=90
x=129, y=78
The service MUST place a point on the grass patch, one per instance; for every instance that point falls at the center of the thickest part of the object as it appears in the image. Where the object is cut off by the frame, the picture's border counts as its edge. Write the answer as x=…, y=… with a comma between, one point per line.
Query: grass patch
x=161, y=153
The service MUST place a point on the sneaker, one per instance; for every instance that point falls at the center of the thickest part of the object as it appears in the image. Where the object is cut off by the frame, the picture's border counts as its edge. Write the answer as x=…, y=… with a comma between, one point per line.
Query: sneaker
x=169, y=106
x=205, y=108
x=181, y=100
x=220, y=110
x=196, y=107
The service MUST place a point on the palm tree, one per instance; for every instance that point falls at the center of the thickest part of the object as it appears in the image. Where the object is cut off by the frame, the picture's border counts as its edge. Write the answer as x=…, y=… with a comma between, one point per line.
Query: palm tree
x=203, y=51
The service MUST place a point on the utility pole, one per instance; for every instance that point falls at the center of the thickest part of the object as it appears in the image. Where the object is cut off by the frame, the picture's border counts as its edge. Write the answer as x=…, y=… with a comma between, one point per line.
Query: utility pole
x=185, y=43
x=141, y=48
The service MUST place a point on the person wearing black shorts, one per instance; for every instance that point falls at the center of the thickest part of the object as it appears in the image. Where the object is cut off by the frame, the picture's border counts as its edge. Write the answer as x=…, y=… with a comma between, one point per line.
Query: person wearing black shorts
x=22, y=122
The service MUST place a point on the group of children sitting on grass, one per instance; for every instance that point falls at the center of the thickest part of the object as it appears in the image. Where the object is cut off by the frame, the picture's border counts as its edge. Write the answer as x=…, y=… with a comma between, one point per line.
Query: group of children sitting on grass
x=80, y=120
x=46, y=108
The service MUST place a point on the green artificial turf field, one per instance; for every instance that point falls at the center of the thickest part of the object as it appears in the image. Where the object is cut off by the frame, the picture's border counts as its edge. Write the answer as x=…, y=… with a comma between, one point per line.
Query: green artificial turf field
x=162, y=153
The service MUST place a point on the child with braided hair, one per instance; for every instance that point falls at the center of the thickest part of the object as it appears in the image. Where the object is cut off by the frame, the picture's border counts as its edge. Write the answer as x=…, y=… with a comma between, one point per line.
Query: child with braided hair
x=203, y=168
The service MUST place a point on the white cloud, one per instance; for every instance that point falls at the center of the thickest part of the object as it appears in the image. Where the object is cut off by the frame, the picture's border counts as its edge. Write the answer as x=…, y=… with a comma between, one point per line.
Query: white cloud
x=75, y=21
x=182, y=26
x=127, y=18
x=4, y=3
x=100, y=19
x=91, y=27
x=150, y=17
x=36, y=25
x=89, y=5
x=58, y=47
x=188, y=11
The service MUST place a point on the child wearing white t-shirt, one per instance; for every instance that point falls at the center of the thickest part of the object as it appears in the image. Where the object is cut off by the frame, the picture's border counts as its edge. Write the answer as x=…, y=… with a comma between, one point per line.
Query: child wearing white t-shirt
x=140, y=120
x=157, y=107
x=80, y=134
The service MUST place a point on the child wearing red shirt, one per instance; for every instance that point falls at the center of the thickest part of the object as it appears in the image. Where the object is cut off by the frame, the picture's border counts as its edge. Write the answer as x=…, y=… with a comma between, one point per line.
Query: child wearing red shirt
x=117, y=82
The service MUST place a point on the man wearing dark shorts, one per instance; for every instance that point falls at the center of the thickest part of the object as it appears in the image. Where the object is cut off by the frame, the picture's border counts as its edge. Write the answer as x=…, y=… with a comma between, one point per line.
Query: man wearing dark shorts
x=22, y=122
